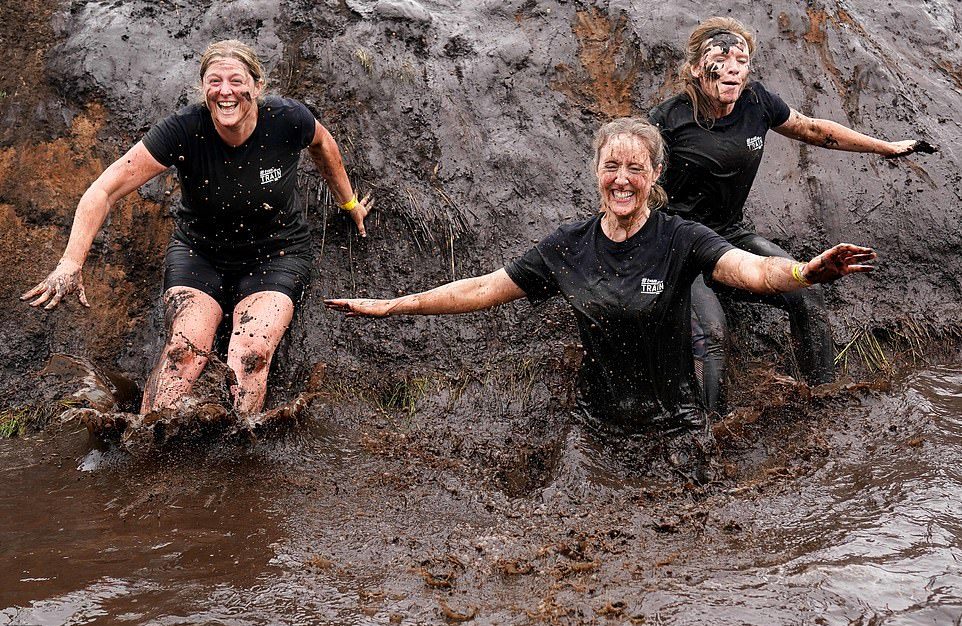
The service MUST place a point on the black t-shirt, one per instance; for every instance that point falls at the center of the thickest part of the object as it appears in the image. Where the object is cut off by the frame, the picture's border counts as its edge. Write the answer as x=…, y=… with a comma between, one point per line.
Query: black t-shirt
x=631, y=300
x=238, y=204
x=710, y=171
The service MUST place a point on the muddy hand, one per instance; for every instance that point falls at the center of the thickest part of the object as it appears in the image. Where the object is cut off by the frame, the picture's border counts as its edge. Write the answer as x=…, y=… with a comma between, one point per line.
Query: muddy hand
x=361, y=307
x=911, y=146
x=64, y=280
x=359, y=212
x=841, y=260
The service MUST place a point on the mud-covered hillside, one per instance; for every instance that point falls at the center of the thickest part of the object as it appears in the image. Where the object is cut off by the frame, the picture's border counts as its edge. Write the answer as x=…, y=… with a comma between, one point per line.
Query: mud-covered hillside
x=471, y=123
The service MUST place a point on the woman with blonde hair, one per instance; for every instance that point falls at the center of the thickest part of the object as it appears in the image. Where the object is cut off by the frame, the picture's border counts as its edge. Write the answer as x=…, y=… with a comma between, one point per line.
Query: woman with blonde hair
x=714, y=131
x=626, y=272
x=240, y=244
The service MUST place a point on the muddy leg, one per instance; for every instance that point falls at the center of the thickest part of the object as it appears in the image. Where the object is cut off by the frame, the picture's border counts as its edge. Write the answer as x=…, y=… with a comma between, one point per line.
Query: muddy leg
x=191, y=318
x=260, y=321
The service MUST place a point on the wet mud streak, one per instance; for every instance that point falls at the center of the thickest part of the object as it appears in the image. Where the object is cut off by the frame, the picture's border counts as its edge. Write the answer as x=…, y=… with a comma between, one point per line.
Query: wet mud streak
x=829, y=142
x=612, y=67
x=817, y=35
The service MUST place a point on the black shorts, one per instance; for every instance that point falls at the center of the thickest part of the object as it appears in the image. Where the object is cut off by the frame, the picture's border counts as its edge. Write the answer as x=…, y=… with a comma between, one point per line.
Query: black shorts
x=287, y=274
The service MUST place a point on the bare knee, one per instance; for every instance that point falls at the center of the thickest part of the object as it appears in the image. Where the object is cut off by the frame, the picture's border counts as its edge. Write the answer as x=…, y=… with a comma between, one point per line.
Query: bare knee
x=251, y=360
x=180, y=355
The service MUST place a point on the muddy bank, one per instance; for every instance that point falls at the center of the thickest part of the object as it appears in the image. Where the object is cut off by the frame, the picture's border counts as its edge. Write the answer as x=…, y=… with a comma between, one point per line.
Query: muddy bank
x=471, y=123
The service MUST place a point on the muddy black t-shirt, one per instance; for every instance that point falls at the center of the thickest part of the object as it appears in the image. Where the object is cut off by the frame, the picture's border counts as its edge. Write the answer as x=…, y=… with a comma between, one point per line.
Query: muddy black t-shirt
x=631, y=300
x=710, y=171
x=237, y=204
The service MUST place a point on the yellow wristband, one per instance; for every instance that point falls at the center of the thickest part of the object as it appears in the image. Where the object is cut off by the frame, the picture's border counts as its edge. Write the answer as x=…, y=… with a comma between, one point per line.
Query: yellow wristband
x=797, y=274
x=350, y=204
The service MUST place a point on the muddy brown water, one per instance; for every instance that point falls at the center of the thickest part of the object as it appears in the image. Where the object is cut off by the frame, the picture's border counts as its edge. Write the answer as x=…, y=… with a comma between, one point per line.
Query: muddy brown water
x=318, y=526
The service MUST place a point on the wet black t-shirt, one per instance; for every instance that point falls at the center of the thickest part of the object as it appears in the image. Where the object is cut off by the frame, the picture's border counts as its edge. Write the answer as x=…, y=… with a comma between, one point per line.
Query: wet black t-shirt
x=631, y=301
x=710, y=171
x=237, y=204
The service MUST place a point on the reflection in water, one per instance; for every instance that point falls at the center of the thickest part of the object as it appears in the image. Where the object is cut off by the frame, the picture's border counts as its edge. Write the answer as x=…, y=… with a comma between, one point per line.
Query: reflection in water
x=335, y=526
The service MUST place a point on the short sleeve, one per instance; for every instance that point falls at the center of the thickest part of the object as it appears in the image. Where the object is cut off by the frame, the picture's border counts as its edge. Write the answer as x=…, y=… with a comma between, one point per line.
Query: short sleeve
x=304, y=124
x=166, y=140
x=657, y=117
x=775, y=108
x=532, y=275
x=706, y=248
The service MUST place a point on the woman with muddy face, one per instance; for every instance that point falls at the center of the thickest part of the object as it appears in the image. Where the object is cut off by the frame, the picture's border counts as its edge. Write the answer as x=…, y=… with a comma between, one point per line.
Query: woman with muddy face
x=627, y=273
x=240, y=242
x=715, y=134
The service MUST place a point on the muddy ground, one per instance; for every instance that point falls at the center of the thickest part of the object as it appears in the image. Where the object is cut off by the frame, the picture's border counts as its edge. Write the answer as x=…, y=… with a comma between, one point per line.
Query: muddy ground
x=471, y=123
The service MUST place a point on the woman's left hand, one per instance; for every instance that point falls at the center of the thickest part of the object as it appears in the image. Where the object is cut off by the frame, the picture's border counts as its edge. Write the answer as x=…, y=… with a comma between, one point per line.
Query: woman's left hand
x=909, y=146
x=838, y=261
x=359, y=212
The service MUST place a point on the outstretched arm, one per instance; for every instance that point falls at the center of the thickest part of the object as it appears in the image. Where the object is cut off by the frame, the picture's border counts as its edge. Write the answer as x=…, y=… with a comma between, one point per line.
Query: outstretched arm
x=122, y=176
x=829, y=134
x=461, y=296
x=327, y=158
x=767, y=275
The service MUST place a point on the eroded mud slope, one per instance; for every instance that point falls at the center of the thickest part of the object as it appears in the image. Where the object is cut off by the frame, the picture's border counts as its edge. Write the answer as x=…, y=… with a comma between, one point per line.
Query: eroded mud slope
x=471, y=122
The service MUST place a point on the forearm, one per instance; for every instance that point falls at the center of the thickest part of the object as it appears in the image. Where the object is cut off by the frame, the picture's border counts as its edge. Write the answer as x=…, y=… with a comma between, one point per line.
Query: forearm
x=829, y=134
x=758, y=274
x=91, y=212
x=327, y=159
x=461, y=296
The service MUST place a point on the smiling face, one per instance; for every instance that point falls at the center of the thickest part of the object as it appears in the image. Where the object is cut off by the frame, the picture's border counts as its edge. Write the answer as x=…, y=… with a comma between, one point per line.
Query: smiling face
x=231, y=95
x=625, y=177
x=723, y=70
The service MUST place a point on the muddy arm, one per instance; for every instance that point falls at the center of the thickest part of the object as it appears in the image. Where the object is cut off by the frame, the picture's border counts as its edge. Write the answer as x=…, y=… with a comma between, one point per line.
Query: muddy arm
x=768, y=275
x=829, y=134
x=124, y=175
x=327, y=158
x=461, y=296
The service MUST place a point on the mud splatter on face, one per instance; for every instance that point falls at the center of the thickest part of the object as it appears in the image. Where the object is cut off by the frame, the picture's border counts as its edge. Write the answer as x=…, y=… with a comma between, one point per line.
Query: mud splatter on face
x=725, y=40
x=720, y=42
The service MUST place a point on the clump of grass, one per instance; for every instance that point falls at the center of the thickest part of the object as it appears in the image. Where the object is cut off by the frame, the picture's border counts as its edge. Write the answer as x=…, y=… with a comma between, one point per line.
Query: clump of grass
x=866, y=347
x=366, y=59
x=14, y=421
x=404, y=395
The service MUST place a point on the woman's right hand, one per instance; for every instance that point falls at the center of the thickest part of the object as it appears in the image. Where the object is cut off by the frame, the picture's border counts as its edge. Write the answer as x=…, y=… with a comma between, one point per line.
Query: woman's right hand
x=64, y=280
x=362, y=307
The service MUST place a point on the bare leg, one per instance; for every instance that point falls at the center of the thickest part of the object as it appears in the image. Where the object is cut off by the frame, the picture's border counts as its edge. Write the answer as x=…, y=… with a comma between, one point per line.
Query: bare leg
x=260, y=321
x=191, y=318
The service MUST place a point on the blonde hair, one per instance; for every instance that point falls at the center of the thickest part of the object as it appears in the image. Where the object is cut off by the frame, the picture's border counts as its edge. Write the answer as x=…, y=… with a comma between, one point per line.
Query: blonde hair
x=649, y=135
x=708, y=29
x=232, y=49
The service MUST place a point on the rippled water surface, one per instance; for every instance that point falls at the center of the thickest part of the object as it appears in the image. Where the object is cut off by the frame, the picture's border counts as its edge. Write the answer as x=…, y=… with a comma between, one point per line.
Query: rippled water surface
x=315, y=527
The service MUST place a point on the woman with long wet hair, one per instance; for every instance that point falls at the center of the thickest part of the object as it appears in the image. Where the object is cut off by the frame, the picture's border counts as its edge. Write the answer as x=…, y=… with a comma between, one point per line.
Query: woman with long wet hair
x=715, y=131
x=627, y=274
x=240, y=242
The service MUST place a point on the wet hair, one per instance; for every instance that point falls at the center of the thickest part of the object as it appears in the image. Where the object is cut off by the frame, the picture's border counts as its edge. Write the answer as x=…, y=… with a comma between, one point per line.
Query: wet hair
x=231, y=49
x=649, y=135
x=708, y=29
